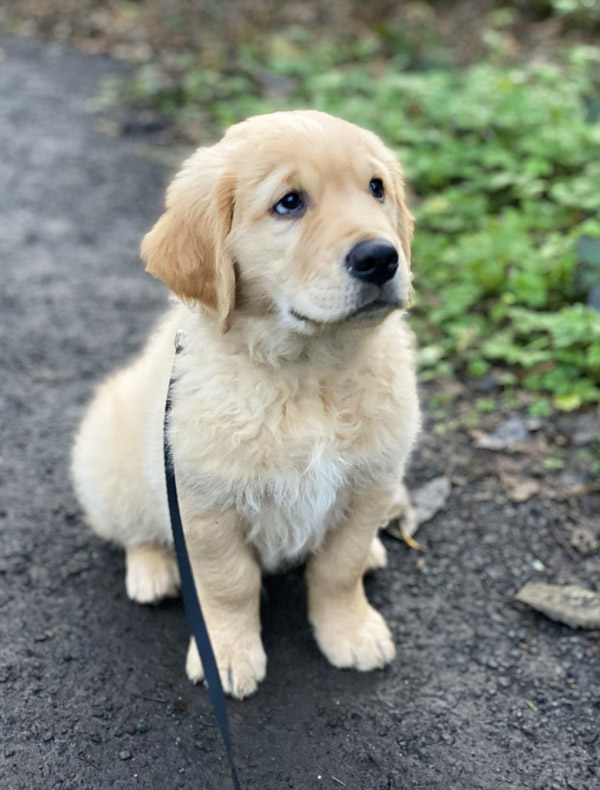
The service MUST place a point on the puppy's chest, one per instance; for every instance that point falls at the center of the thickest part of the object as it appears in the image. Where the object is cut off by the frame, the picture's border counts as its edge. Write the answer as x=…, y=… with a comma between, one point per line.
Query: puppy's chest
x=286, y=504
x=287, y=466
x=288, y=514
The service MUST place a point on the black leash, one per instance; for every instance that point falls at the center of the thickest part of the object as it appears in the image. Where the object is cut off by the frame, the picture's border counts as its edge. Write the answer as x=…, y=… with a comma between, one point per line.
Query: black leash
x=189, y=594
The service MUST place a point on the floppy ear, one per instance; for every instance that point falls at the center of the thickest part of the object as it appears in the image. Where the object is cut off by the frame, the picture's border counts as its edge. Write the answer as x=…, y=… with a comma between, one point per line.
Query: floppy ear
x=186, y=249
x=406, y=221
x=406, y=224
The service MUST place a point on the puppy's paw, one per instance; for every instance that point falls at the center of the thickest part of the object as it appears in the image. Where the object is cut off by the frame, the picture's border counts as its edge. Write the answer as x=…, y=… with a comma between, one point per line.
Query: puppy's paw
x=242, y=664
x=364, y=643
x=152, y=573
x=377, y=556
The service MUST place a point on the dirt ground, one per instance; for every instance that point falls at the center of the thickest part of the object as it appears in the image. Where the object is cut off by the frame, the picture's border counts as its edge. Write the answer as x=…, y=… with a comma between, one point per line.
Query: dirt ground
x=483, y=695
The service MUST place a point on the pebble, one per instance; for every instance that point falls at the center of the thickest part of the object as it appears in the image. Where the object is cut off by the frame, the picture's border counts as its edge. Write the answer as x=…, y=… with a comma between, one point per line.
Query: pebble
x=142, y=726
x=125, y=754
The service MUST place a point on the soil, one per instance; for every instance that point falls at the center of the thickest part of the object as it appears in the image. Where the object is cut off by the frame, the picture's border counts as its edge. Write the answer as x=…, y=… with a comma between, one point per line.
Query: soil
x=483, y=695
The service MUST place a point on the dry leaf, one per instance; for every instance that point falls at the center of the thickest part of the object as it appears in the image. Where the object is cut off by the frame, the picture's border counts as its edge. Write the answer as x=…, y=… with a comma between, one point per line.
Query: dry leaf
x=508, y=433
x=519, y=488
x=431, y=498
x=569, y=604
x=426, y=502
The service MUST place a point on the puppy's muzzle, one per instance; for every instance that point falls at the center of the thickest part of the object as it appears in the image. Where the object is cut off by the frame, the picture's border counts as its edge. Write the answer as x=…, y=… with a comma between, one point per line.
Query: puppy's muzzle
x=373, y=261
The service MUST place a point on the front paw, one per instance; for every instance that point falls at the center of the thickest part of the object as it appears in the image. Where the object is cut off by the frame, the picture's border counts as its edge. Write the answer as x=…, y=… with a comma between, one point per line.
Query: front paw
x=363, y=643
x=242, y=664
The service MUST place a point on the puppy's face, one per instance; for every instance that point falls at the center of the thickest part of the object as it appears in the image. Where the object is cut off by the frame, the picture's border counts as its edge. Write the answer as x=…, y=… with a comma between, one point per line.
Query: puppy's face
x=296, y=213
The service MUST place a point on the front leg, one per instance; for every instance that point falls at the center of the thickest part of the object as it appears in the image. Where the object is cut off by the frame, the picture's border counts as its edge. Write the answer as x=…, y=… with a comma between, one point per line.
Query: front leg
x=349, y=631
x=228, y=580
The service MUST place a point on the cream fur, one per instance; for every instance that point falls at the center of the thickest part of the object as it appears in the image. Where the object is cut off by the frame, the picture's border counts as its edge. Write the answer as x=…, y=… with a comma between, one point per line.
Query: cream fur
x=289, y=433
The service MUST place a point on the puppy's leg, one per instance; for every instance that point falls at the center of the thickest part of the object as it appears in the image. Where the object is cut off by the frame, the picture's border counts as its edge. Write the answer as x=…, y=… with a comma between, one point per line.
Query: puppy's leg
x=402, y=507
x=349, y=631
x=377, y=556
x=228, y=580
x=151, y=573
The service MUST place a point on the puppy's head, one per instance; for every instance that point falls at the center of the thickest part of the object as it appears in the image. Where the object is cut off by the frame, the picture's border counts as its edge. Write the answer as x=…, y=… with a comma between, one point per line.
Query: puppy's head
x=296, y=213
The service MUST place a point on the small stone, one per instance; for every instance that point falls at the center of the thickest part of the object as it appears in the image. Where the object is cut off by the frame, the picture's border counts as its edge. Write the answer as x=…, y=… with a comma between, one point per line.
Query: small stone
x=180, y=705
x=586, y=430
x=125, y=754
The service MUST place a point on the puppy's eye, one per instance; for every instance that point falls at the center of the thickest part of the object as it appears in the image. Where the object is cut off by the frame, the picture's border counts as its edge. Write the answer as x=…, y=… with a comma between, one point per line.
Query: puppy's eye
x=290, y=204
x=376, y=187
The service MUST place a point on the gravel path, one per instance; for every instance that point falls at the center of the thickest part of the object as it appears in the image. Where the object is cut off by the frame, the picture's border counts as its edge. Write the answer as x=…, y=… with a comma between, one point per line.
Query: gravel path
x=92, y=687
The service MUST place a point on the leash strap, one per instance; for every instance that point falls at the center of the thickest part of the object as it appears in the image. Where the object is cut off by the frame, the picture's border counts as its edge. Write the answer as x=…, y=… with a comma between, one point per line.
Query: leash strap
x=191, y=603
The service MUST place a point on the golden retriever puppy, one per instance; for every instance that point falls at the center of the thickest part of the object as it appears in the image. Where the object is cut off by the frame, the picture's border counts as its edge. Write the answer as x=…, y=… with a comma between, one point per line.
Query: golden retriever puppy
x=294, y=405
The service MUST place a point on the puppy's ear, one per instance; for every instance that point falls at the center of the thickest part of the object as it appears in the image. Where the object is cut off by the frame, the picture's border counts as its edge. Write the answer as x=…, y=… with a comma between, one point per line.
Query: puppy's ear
x=406, y=221
x=186, y=249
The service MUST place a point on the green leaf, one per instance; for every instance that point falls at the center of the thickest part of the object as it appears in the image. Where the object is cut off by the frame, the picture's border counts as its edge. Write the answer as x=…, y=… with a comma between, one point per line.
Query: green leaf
x=540, y=408
x=567, y=402
x=588, y=270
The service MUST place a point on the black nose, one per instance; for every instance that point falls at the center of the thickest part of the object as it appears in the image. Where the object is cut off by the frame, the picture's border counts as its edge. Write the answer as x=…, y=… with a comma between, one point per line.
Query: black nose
x=373, y=261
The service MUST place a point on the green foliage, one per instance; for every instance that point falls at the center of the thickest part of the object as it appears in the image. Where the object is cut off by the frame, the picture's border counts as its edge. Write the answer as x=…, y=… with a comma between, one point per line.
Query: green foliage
x=503, y=163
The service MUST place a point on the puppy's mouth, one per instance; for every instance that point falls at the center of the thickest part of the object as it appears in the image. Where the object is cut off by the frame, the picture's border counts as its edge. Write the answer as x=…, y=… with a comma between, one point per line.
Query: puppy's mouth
x=373, y=309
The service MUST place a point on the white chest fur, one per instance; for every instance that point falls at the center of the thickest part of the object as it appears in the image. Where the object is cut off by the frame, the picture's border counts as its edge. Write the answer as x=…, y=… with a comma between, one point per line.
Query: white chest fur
x=288, y=516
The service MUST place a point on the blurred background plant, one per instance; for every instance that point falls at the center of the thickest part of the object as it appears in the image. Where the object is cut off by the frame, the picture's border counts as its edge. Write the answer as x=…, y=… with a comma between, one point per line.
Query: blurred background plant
x=493, y=109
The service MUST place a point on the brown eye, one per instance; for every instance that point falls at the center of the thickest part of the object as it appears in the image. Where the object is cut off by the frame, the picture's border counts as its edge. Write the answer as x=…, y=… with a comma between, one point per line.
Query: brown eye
x=376, y=187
